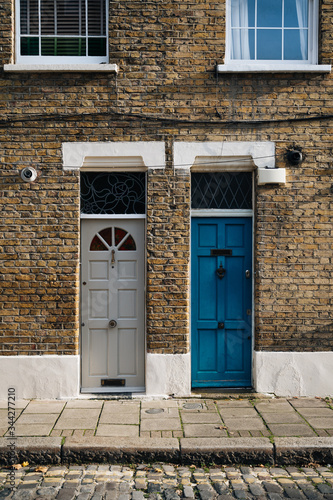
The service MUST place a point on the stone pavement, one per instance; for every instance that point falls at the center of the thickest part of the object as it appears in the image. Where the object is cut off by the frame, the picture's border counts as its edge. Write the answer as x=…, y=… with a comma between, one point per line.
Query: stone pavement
x=168, y=482
x=249, y=430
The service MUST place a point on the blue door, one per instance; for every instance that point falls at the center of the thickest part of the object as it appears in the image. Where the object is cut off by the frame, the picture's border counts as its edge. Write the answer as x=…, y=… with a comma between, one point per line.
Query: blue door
x=221, y=302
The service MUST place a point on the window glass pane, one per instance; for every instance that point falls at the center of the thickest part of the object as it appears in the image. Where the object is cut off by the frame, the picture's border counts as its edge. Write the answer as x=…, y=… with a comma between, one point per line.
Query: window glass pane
x=295, y=45
x=63, y=17
x=96, y=46
x=269, y=13
x=221, y=190
x=269, y=44
x=243, y=13
x=106, y=235
x=251, y=12
x=30, y=46
x=119, y=234
x=70, y=17
x=296, y=13
x=29, y=17
x=97, y=245
x=113, y=193
x=243, y=44
x=62, y=25
x=96, y=17
x=48, y=19
x=129, y=244
x=63, y=46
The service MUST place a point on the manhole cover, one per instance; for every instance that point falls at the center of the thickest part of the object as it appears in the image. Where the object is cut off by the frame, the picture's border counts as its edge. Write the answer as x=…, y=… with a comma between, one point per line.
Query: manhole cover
x=192, y=406
x=155, y=410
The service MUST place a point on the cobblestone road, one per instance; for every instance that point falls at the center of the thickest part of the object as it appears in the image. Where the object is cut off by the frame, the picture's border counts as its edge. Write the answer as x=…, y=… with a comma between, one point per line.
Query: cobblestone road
x=166, y=482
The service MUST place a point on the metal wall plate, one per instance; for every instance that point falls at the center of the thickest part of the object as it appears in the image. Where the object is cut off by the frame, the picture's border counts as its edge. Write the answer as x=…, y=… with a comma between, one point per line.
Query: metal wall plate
x=154, y=410
x=192, y=406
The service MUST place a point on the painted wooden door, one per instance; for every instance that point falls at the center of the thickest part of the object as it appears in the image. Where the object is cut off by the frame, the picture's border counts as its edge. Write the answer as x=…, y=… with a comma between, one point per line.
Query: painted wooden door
x=221, y=301
x=112, y=313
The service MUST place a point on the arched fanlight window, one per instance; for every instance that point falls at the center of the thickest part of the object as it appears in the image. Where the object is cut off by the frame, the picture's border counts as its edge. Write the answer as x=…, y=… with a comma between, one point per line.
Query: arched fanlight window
x=112, y=237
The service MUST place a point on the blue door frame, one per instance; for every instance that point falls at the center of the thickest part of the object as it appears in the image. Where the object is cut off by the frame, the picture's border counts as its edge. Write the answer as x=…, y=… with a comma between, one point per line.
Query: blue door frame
x=221, y=302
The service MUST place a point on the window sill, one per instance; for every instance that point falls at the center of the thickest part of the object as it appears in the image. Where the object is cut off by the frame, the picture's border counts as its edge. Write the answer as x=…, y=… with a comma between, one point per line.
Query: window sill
x=64, y=68
x=272, y=68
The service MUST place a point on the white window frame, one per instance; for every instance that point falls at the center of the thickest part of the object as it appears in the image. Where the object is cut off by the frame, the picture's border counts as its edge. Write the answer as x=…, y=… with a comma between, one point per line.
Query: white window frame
x=55, y=60
x=242, y=65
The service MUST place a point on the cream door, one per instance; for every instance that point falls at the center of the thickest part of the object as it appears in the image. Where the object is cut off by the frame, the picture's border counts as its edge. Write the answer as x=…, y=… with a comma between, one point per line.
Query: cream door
x=112, y=295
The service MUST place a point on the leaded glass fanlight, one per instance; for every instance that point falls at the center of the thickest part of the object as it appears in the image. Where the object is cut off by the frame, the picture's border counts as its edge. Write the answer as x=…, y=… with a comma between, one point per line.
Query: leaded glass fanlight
x=113, y=193
x=221, y=190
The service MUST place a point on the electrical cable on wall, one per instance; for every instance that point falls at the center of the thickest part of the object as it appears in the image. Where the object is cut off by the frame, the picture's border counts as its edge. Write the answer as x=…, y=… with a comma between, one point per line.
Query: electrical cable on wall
x=161, y=119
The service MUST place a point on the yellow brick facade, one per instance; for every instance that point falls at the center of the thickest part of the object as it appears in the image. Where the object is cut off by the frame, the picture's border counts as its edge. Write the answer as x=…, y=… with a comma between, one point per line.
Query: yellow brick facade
x=166, y=90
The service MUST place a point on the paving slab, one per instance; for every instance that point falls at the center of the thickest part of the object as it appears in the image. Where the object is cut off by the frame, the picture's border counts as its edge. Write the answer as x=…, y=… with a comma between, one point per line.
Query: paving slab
x=4, y=416
x=121, y=450
x=158, y=403
x=45, y=406
x=120, y=407
x=234, y=403
x=201, y=418
x=243, y=412
x=291, y=430
x=162, y=424
x=302, y=451
x=19, y=404
x=119, y=418
x=35, y=450
x=315, y=412
x=204, y=430
x=321, y=422
x=85, y=403
x=239, y=424
x=269, y=406
x=118, y=430
x=308, y=403
x=37, y=418
x=226, y=450
x=33, y=429
x=76, y=423
x=282, y=417
x=79, y=413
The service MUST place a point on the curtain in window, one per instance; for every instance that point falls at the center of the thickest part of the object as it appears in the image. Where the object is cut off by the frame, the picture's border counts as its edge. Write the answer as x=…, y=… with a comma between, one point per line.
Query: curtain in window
x=302, y=11
x=240, y=37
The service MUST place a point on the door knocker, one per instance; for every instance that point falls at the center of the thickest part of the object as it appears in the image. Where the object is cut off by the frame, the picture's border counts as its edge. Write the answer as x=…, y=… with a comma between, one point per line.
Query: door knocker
x=220, y=272
x=113, y=260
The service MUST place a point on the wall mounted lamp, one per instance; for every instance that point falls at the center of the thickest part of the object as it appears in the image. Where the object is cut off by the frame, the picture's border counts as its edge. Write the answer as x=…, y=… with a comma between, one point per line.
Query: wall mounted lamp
x=270, y=175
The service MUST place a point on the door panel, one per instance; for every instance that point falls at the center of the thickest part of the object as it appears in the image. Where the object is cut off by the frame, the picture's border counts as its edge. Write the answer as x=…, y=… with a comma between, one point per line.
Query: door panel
x=220, y=306
x=112, y=277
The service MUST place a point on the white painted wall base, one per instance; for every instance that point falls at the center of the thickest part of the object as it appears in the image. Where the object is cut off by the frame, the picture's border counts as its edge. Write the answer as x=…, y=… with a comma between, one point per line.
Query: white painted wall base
x=294, y=373
x=168, y=374
x=40, y=377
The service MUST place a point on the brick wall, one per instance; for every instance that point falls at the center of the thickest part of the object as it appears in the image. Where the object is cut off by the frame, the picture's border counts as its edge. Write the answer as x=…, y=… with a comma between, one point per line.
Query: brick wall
x=166, y=52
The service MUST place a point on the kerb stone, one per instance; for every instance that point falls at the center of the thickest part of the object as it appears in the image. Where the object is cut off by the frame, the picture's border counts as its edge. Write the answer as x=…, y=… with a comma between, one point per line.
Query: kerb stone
x=226, y=450
x=302, y=451
x=121, y=450
x=35, y=450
